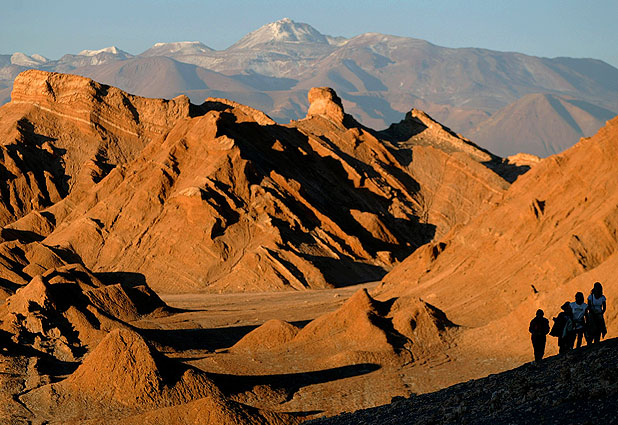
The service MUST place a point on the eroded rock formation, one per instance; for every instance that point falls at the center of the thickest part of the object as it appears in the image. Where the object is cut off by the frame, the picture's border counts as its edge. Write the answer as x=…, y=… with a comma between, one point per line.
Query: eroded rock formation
x=553, y=234
x=219, y=197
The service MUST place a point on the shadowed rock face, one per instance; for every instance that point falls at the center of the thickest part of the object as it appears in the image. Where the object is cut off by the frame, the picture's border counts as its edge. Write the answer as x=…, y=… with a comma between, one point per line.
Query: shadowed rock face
x=219, y=197
x=553, y=234
x=66, y=310
x=70, y=354
x=61, y=132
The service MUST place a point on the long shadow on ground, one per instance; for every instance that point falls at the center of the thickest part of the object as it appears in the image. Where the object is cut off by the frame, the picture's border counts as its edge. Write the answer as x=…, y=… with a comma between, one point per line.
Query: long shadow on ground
x=289, y=382
x=199, y=338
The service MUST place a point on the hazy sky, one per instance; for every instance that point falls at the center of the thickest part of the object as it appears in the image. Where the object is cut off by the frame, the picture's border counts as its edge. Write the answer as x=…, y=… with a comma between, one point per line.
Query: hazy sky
x=541, y=27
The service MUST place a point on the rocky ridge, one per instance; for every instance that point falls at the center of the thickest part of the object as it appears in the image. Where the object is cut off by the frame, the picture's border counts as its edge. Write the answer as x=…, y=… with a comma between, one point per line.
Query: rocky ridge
x=219, y=197
x=249, y=198
x=379, y=77
x=554, y=235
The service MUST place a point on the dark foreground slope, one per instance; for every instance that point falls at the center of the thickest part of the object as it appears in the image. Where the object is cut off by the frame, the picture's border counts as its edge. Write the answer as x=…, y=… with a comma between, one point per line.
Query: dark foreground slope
x=579, y=387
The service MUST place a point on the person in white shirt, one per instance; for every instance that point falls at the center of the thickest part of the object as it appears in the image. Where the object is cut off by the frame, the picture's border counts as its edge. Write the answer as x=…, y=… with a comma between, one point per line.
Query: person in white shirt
x=579, y=312
x=596, y=308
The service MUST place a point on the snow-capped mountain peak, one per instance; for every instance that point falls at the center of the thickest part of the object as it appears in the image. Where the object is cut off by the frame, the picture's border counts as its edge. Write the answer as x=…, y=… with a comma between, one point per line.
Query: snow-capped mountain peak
x=177, y=48
x=19, y=58
x=283, y=30
x=111, y=50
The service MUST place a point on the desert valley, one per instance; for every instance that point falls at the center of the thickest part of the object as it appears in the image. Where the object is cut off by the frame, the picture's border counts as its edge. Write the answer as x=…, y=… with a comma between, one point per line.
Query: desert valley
x=167, y=260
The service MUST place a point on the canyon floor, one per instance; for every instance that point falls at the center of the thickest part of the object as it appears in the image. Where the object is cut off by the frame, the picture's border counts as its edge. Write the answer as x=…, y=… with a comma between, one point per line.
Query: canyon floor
x=206, y=327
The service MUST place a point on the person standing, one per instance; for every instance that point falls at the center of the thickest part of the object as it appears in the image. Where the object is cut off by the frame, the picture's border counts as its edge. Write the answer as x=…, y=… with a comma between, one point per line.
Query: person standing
x=563, y=328
x=539, y=328
x=579, y=312
x=596, y=309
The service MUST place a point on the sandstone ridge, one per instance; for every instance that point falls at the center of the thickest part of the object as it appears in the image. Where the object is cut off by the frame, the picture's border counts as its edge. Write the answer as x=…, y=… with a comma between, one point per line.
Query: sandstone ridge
x=559, y=213
x=249, y=199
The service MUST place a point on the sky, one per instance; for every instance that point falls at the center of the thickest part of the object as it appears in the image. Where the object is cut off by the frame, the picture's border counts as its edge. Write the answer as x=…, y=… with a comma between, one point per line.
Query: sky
x=547, y=28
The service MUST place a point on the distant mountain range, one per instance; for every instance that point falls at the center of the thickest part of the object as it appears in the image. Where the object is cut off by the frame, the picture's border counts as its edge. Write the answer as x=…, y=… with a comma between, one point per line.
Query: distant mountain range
x=480, y=93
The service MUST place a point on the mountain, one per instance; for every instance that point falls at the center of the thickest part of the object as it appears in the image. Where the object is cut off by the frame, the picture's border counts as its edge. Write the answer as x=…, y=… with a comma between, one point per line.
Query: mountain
x=55, y=138
x=113, y=173
x=112, y=50
x=25, y=60
x=379, y=78
x=552, y=124
x=475, y=81
x=159, y=76
x=69, y=62
x=552, y=234
x=182, y=48
x=284, y=31
x=107, y=197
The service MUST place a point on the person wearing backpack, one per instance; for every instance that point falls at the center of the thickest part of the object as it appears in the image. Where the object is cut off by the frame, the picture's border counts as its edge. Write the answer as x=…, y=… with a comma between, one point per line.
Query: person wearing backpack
x=596, y=309
x=563, y=328
x=539, y=328
x=579, y=308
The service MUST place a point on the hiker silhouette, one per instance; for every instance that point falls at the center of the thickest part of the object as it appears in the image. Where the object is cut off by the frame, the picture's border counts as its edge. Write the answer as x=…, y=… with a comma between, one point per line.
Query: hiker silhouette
x=597, y=304
x=579, y=308
x=539, y=328
x=563, y=328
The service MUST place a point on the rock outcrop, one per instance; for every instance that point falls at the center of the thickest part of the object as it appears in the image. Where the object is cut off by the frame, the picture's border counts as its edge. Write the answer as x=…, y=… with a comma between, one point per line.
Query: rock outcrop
x=109, y=196
x=62, y=131
x=219, y=197
x=66, y=311
x=363, y=330
x=124, y=377
x=325, y=102
x=553, y=234
x=271, y=335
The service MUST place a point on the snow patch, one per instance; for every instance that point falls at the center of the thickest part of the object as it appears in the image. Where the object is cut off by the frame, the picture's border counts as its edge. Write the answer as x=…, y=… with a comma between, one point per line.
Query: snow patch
x=112, y=50
x=286, y=30
x=19, y=58
x=185, y=47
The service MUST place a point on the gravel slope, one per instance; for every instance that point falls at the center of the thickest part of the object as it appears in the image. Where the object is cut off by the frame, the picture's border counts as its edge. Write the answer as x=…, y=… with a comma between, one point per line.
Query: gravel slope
x=578, y=387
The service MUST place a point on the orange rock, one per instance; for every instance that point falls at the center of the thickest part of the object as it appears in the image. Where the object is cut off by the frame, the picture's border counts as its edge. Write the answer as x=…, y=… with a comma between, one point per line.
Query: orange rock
x=325, y=102
x=556, y=225
x=220, y=197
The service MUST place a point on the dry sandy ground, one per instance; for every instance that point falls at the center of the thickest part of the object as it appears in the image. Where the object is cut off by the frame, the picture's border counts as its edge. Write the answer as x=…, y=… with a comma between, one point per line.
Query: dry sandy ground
x=207, y=325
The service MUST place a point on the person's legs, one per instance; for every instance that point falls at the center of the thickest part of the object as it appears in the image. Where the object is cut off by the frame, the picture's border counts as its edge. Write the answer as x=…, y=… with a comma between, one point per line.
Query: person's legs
x=539, y=348
x=580, y=336
x=594, y=328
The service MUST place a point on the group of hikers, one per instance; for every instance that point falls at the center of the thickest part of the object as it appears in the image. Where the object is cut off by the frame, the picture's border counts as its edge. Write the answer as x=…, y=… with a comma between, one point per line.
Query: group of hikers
x=577, y=320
